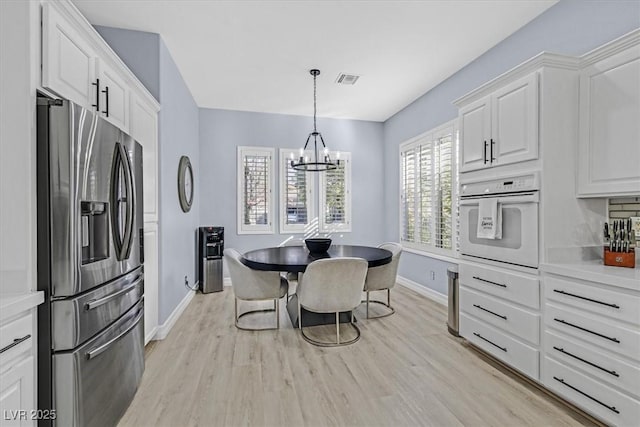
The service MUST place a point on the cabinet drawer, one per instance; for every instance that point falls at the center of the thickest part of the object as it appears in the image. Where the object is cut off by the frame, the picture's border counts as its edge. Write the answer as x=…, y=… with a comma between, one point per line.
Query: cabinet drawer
x=609, y=303
x=514, y=353
x=16, y=336
x=612, y=336
x=596, y=398
x=519, y=288
x=519, y=322
x=595, y=362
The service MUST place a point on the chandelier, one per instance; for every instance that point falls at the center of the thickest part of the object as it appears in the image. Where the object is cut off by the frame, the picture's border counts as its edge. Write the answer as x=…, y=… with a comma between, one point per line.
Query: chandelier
x=319, y=162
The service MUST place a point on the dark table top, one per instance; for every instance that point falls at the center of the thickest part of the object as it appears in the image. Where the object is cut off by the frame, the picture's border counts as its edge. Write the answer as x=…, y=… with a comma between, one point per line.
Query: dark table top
x=295, y=259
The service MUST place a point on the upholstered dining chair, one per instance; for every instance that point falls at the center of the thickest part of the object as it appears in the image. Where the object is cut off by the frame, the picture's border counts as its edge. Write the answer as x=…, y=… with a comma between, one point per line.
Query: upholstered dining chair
x=332, y=285
x=383, y=277
x=254, y=285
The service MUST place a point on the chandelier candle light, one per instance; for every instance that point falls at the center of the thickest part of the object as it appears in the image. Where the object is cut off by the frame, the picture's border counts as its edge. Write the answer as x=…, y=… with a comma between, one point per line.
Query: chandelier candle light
x=304, y=162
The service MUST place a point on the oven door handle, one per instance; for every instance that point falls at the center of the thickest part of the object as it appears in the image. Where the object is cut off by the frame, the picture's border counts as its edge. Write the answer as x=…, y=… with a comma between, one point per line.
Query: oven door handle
x=504, y=200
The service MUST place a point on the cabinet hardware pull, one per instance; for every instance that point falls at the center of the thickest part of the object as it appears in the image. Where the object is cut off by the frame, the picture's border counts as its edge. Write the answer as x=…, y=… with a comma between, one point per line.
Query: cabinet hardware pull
x=97, y=104
x=489, y=281
x=562, y=350
x=15, y=342
x=587, y=330
x=493, y=159
x=492, y=343
x=484, y=152
x=587, y=299
x=106, y=98
x=563, y=382
x=490, y=312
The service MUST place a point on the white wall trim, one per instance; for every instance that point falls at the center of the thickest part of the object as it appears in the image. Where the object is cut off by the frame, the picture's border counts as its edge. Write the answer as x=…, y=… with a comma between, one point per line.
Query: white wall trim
x=226, y=281
x=164, y=329
x=423, y=290
x=151, y=336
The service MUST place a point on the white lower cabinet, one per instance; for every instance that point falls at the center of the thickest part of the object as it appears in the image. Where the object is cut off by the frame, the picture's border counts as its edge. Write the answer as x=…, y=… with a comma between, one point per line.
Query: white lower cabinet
x=499, y=313
x=17, y=369
x=591, y=347
x=604, y=402
x=17, y=394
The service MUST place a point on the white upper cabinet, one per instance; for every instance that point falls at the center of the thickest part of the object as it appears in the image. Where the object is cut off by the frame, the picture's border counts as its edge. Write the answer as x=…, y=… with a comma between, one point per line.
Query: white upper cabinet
x=609, y=142
x=68, y=61
x=114, y=96
x=502, y=127
x=475, y=134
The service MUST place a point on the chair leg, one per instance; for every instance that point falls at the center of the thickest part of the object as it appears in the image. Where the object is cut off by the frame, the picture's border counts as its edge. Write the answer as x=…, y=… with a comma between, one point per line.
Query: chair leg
x=387, y=304
x=235, y=311
x=246, y=313
x=367, y=304
x=276, y=302
x=299, y=316
x=337, y=328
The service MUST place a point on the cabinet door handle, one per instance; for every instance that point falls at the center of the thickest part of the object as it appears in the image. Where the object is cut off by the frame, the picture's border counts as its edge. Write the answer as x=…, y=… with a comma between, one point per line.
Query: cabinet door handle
x=489, y=281
x=97, y=104
x=106, y=98
x=564, y=383
x=490, y=312
x=490, y=342
x=586, y=299
x=564, y=322
x=562, y=350
x=15, y=342
x=484, y=152
x=493, y=159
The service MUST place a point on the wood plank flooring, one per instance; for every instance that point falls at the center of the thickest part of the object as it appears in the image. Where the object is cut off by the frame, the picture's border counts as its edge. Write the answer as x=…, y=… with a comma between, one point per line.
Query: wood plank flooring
x=406, y=370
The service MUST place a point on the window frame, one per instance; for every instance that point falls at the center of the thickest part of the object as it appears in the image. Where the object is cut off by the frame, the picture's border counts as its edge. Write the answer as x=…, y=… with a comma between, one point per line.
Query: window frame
x=428, y=138
x=345, y=226
x=242, y=152
x=311, y=205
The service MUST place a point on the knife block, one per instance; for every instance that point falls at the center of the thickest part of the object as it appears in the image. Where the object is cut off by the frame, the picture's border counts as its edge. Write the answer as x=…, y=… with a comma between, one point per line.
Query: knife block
x=620, y=259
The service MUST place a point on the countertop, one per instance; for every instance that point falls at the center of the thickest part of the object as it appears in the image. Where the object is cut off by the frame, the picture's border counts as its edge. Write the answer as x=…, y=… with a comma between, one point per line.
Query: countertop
x=595, y=271
x=12, y=304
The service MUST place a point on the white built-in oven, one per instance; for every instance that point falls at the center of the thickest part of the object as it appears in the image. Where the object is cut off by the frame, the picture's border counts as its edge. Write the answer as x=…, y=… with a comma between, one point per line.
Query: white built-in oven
x=518, y=200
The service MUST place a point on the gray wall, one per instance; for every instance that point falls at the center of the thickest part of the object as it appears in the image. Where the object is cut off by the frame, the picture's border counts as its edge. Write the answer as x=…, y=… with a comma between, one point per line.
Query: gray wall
x=178, y=136
x=221, y=131
x=140, y=51
x=570, y=27
x=149, y=59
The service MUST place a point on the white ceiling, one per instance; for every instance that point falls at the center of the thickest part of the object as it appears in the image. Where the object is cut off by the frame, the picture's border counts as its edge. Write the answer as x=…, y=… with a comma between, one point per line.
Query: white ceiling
x=255, y=55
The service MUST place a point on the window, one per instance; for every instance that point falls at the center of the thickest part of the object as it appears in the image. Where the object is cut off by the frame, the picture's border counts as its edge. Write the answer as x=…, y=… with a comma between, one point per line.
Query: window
x=335, y=196
x=255, y=180
x=297, y=214
x=428, y=182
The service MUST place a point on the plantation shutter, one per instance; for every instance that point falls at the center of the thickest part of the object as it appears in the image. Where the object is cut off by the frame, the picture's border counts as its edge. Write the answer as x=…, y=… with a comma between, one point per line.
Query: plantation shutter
x=335, y=196
x=408, y=195
x=426, y=207
x=255, y=180
x=443, y=176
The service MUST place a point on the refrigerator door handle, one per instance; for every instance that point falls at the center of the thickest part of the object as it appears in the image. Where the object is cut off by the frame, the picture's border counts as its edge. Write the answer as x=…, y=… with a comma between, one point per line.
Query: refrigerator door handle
x=131, y=203
x=101, y=301
x=94, y=352
x=121, y=167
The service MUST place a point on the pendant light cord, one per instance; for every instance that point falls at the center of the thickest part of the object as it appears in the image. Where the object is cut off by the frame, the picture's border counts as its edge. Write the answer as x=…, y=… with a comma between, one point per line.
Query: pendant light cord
x=314, y=102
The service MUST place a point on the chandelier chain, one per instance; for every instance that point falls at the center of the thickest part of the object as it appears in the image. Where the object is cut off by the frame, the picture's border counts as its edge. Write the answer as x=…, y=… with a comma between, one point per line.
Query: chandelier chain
x=314, y=102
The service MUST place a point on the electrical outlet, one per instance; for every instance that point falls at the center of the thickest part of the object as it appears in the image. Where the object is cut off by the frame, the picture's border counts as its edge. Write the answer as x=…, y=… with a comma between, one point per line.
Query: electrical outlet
x=186, y=281
x=433, y=275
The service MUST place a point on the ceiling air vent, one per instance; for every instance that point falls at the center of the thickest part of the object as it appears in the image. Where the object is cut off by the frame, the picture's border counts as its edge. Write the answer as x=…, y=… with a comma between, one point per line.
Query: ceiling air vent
x=347, y=79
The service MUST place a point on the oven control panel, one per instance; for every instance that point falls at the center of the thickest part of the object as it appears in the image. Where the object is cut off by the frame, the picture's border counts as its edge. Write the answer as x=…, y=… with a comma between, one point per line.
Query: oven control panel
x=516, y=184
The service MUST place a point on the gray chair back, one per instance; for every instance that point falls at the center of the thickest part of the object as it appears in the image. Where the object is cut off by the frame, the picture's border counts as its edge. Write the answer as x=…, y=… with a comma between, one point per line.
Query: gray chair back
x=332, y=285
x=384, y=276
x=249, y=284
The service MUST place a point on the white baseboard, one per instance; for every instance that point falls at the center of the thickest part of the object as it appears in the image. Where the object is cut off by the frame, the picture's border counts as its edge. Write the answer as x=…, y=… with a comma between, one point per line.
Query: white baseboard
x=165, y=328
x=226, y=281
x=151, y=336
x=423, y=290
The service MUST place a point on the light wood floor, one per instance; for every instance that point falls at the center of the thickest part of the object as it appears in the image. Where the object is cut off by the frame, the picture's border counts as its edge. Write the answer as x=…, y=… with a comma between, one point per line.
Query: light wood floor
x=405, y=370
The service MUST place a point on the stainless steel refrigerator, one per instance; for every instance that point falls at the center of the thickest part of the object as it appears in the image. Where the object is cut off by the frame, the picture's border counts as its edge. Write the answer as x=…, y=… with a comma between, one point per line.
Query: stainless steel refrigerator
x=90, y=266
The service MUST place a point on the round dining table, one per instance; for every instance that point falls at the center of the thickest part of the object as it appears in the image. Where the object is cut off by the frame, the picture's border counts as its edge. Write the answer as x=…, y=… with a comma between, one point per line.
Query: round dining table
x=295, y=259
